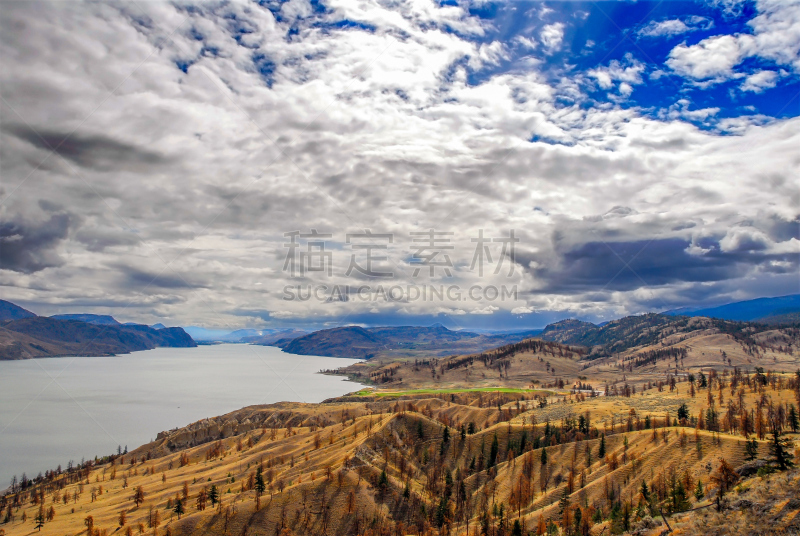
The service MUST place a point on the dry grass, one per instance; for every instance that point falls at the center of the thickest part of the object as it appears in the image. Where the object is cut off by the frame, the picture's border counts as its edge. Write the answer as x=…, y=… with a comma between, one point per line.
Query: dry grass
x=375, y=435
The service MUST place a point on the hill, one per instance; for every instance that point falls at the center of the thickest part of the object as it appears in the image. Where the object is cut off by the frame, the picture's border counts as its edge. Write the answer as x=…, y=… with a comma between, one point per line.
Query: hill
x=454, y=463
x=639, y=349
x=100, y=320
x=750, y=310
x=656, y=330
x=38, y=336
x=351, y=341
x=526, y=364
x=11, y=311
x=392, y=342
x=613, y=336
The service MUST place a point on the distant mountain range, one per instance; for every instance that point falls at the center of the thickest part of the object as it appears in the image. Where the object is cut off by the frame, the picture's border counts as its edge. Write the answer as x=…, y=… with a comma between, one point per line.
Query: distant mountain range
x=783, y=309
x=24, y=335
x=253, y=336
x=402, y=341
x=275, y=337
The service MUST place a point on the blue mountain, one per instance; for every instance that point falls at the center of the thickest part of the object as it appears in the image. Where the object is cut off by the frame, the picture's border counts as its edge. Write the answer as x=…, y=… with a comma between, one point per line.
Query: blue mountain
x=100, y=320
x=746, y=311
x=12, y=311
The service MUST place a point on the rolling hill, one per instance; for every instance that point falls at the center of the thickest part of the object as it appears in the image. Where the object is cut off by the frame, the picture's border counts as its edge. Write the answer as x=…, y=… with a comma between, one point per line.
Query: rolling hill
x=37, y=336
x=650, y=330
x=460, y=464
x=391, y=342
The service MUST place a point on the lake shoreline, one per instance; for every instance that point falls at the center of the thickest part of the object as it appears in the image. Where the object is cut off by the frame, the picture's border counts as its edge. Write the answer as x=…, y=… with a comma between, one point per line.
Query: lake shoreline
x=57, y=409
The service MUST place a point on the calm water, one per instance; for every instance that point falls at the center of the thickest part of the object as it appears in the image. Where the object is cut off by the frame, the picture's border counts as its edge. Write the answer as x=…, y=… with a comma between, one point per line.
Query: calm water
x=56, y=410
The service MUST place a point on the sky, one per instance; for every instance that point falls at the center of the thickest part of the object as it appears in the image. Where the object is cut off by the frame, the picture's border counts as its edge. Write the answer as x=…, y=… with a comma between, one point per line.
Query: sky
x=495, y=165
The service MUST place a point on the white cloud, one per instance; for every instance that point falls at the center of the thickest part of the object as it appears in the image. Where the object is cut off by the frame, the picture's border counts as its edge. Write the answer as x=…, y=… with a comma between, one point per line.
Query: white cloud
x=627, y=73
x=680, y=110
x=775, y=37
x=448, y=311
x=776, y=32
x=552, y=36
x=759, y=81
x=525, y=42
x=487, y=310
x=283, y=314
x=712, y=58
x=522, y=310
x=672, y=27
x=489, y=54
x=664, y=28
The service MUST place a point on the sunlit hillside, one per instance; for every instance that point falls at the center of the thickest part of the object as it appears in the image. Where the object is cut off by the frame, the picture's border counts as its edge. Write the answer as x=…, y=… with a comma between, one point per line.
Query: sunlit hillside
x=468, y=462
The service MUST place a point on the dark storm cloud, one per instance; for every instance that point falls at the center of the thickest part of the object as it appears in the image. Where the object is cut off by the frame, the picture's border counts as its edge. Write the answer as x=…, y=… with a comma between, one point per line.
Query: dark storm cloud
x=629, y=265
x=141, y=279
x=98, y=239
x=29, y=247
x=780, y=229
x=96, y=152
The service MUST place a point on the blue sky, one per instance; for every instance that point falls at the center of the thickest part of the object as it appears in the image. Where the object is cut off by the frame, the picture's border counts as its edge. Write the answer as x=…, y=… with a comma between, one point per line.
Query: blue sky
x=156, y=154
x=640, y=34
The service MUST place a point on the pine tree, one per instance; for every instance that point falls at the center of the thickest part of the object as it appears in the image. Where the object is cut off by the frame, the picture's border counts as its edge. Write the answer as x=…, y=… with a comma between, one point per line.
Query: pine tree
x=679, y=500
x=441, y=514
x=259, y=485
x=213, y=495
x=544, y=456
x=39, y=519
x=683, y=412
x=751, y=449
x=563, y=503
x=779, y=446
x=792, y=419
x=577, y=521
x=602, y=451
x=178, y=508
x=383, y=482
x=698, y=491
x=493, y=451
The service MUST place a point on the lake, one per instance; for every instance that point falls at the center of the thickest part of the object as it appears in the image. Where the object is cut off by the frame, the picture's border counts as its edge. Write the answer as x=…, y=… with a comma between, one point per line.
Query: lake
x=59, y=409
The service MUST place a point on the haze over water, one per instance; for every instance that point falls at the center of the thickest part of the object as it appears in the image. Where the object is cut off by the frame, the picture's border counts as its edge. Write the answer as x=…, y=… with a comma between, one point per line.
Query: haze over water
x=56, y=410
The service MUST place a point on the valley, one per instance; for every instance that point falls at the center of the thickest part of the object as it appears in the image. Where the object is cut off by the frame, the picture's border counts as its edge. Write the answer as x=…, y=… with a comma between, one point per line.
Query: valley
x=534, y=437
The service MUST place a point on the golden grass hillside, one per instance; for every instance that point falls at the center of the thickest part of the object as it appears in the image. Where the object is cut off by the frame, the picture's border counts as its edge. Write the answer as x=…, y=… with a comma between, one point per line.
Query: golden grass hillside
x=679, y=349
x=448, y=463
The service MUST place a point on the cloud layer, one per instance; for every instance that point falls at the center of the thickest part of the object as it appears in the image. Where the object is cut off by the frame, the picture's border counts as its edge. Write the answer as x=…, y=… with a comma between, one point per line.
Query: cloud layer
x=154, y=155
